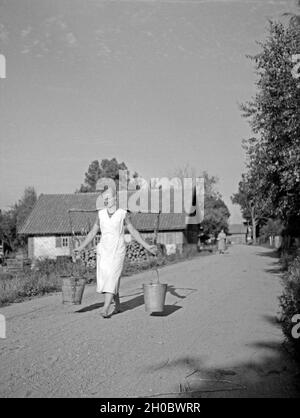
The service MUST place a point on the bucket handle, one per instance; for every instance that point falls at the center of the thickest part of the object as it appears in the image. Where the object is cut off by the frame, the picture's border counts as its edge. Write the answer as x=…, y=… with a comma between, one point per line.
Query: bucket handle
x=72, y=229
x=155, y=243
x=72, y=246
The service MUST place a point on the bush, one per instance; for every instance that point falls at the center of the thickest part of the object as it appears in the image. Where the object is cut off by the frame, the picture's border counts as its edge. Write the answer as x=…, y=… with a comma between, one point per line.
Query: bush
x=287, y=257
x=45, y=265
x=44, y=278
x=290, y=301
x=271, y=228
x=6, y=276
x=62, y=266
x=21, y=287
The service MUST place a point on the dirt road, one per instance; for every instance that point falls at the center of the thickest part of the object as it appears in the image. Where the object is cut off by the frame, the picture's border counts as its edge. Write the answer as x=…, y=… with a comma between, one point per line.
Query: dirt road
x=218, y=336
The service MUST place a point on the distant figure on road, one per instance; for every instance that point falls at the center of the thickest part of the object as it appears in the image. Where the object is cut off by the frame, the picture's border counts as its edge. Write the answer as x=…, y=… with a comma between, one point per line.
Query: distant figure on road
x=111, y=248
x=221, y=242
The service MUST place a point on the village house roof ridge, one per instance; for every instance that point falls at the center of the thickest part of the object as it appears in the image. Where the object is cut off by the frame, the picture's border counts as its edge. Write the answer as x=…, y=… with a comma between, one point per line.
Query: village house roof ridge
x=60, y=195
x=50, y=215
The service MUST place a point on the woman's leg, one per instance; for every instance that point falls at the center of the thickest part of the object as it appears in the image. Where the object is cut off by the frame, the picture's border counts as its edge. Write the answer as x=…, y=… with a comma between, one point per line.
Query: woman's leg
x=117, y=298
x=107, y=301
x=117, y=302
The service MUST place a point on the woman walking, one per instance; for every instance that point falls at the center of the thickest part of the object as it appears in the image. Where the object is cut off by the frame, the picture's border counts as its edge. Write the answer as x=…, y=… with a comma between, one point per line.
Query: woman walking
x=221, y=242
x=111, y=249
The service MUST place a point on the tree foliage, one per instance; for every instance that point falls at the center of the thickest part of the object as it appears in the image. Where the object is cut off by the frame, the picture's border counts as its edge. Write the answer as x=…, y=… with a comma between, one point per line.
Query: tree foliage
x=216, y=213
x=272, y=228
x=25, y=205
x=272, y=183
x=7, y=229
x=107, y=168
x=13, y=219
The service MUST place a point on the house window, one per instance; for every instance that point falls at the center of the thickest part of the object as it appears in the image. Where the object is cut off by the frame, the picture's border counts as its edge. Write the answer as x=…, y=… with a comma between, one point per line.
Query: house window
x=65, y=241
x=97, y=239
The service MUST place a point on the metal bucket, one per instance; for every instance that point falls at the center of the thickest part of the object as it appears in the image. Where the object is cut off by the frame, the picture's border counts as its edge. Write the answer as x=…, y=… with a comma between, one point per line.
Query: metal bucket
x=72, y=290
x=154, y=296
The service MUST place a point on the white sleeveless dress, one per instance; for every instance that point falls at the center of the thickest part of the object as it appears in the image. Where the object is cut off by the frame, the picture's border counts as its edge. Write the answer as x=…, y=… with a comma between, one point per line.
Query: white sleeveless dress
x=110, y=251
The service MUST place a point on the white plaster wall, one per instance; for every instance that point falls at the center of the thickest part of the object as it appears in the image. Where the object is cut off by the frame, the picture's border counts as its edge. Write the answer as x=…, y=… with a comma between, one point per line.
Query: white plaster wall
x=127, y=238
x=45, y=247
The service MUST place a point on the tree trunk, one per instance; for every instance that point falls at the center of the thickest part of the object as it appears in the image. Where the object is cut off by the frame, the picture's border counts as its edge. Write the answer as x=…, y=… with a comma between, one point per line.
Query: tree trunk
x=254, y=230
x=253, y=227
x=286, y=242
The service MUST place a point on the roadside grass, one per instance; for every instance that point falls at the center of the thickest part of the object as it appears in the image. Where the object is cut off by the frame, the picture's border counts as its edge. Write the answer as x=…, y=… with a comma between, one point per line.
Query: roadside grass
x=24, y=286
x=290, y=298
x=46, y=277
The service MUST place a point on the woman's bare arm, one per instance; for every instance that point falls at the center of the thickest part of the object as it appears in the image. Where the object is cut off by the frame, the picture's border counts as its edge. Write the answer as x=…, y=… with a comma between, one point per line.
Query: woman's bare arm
x=90, y=236
x=136, y=235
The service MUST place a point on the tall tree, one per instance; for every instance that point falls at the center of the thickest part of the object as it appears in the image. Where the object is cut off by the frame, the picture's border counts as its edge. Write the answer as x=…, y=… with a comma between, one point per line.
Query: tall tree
x=8, y=228
x=254, y=209
x=13, y=219
x=91, y=177
x=25, y=205
x=216, y=213
x=107, y=168
x=274, y=115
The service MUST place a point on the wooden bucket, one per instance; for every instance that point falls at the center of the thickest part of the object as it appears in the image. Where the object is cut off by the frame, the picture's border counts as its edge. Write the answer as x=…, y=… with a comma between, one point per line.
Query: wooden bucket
x=72, y=290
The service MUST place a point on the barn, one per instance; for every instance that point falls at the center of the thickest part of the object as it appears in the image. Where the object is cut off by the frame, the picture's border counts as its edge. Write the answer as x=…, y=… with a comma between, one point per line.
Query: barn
x=50, y=227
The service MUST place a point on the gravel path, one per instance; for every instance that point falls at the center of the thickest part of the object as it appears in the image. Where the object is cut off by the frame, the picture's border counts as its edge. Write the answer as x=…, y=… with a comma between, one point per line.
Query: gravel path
x=218, y=336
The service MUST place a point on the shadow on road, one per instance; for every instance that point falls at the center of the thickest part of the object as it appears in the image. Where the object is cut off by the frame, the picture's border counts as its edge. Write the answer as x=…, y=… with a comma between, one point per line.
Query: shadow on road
x=269, y=345
x=173, y=290
x=277, y=269
x=125, y=306
x=271, y=254
x=272, y=320
x=168, y=310
x=90, y=308
x=132, y=303
x=138, y=301
x=271, y=373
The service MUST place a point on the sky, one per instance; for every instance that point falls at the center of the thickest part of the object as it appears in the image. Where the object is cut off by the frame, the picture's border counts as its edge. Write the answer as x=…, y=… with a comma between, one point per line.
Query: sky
x=156, y=84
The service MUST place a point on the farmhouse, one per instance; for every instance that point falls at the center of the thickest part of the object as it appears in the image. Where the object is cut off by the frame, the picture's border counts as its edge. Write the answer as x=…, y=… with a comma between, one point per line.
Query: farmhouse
x=51, y=228
x=237, y=234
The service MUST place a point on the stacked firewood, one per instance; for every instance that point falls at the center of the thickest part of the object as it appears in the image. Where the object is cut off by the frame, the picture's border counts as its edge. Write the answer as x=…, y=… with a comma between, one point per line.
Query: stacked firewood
x=135, y=252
